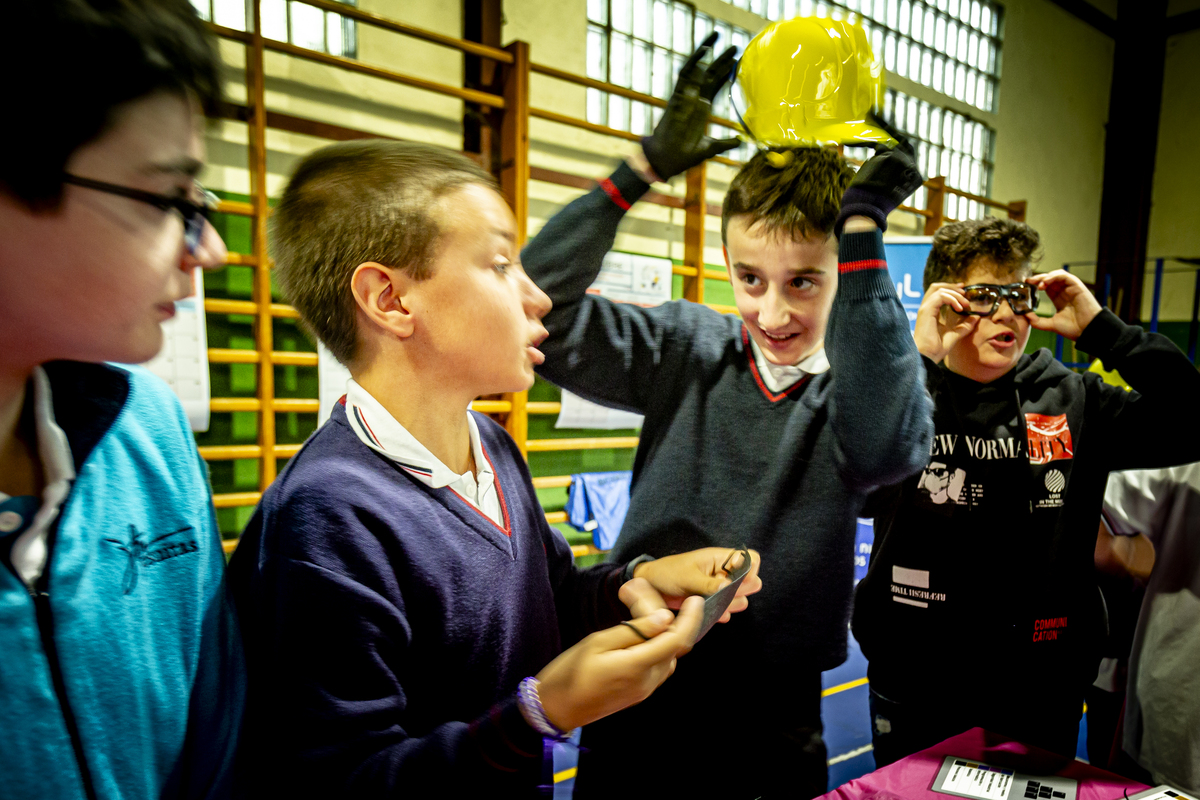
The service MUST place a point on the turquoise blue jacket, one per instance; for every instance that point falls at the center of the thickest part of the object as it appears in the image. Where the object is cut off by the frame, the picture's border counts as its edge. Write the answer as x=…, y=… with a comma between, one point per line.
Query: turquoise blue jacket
x=121, y=676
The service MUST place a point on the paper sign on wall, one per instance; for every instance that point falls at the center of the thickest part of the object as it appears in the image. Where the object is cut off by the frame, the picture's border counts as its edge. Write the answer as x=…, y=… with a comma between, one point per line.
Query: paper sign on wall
x=629, y=278
x=183, y=360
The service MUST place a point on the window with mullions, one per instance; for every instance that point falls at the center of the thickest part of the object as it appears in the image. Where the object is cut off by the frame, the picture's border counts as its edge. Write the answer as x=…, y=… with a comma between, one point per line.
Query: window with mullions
x=951, y=46
x=947, y=144
x=641, y=45
x=288, y=21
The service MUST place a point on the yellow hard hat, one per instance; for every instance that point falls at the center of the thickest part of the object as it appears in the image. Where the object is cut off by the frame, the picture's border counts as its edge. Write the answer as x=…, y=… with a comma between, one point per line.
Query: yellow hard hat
x=811, y=81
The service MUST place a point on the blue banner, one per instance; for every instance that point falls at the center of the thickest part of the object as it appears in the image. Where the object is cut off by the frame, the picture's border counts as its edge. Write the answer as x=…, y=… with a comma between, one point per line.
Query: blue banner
x=906, y=257
x=864, y=539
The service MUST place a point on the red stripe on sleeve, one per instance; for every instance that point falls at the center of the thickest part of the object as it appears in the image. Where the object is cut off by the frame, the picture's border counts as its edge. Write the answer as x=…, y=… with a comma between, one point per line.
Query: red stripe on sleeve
x=614, y=194
x=857, y=266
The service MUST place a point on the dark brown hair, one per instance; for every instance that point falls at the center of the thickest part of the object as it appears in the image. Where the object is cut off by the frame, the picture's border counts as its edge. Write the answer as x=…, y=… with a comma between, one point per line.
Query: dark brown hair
x=353, y=202
x=73, y=63
x=1011, y=246
x=801, y=198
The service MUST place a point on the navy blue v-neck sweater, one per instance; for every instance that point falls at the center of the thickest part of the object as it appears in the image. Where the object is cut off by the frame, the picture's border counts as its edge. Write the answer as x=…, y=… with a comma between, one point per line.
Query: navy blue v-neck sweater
x=388, y=625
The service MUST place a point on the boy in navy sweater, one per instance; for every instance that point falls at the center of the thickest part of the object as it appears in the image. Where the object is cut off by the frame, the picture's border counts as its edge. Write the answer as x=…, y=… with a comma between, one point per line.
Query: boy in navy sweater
x=120, y=665
x=406, y=606
x=980, y=607
x=767, y=429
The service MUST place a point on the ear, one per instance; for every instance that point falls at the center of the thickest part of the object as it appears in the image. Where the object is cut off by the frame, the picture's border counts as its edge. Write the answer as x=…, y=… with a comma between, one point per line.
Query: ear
x=381, y=294
x=728, y=266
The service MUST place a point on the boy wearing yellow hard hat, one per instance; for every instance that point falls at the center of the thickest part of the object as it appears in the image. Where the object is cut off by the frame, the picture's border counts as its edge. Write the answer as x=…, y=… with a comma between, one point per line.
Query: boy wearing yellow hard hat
x=768, y=430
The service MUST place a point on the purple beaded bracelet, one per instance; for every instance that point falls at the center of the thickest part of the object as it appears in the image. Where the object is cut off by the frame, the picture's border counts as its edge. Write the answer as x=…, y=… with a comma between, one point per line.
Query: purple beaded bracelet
x=535, y=715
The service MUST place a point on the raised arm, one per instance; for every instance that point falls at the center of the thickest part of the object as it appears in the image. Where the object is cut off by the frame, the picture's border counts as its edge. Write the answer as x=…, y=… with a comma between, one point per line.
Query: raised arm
x=599, y=349
x=880, y=412
x=1156, y=424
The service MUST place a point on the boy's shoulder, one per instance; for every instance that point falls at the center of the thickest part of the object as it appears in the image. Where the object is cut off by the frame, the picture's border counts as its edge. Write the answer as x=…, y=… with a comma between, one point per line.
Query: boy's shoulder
x=712, y=335
x=1041, y=375
x=139, y=475
x=333, y=466
x=122, y=407
x=152, y=405
x=709, y=321
x=335, y=494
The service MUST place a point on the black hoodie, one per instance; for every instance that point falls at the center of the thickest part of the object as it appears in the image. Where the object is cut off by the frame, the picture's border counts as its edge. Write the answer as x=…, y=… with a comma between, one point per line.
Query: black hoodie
x=982, y=577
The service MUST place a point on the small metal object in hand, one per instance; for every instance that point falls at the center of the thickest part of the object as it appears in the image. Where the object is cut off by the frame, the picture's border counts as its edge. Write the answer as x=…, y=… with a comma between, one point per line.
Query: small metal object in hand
x=716, y=604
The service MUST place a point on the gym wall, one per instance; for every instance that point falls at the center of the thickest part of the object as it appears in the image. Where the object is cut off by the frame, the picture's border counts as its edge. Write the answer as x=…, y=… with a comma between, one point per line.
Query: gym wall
x=1174, y=227
x=1054, y=85
x=1054, y=89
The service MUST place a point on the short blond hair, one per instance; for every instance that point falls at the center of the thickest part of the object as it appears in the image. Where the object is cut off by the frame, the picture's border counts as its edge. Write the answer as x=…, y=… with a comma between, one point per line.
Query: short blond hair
x=353, y=202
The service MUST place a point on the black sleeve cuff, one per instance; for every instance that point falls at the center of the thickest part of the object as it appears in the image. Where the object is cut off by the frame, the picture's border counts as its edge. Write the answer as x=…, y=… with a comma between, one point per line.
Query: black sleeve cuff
x=1101, y=334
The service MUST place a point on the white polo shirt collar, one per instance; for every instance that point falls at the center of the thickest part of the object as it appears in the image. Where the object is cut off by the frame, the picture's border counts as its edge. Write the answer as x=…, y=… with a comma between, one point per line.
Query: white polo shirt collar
x=778, y=377
x=383, y=433
x=29, y=552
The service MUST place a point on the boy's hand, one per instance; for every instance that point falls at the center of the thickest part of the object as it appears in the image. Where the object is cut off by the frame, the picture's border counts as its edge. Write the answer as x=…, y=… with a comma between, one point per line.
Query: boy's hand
x=1074, y=305
x=640, y=597
x=936, y=333
x=617, y=668
x=680, y=140
x=883, y=183
x=698, y=572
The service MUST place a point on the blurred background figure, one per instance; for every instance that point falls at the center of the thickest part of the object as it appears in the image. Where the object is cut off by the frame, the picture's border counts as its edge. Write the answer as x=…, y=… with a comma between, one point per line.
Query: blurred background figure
x=1162, y=707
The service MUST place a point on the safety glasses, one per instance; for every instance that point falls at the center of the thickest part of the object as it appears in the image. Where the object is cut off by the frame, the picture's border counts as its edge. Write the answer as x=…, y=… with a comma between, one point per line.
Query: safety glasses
x=984, y=298
x=194, y=214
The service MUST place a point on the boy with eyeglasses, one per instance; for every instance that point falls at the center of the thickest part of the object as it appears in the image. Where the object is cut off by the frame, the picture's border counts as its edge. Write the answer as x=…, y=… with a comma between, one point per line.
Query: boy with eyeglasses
x=120, y=673
x=980, y=607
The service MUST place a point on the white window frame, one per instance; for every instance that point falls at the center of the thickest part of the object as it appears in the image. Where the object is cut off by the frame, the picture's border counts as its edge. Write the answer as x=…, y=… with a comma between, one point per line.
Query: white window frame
x=627, y=46
x=288, y=21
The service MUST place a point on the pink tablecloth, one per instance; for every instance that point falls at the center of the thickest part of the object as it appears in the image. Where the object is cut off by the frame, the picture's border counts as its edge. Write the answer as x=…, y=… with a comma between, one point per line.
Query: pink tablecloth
x=911, y=778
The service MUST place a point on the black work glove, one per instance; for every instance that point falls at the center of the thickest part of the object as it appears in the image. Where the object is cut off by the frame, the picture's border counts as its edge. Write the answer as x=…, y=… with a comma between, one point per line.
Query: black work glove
x=883, y=183
x=680, y=140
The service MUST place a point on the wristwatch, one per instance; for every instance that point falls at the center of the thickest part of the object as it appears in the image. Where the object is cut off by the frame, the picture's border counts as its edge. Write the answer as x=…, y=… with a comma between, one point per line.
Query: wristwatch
x=627, y=576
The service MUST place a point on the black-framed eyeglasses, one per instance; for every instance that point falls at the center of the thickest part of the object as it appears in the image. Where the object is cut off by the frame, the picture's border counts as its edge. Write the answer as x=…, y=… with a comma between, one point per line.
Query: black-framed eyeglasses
x=984, y=298
x=194, y=214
